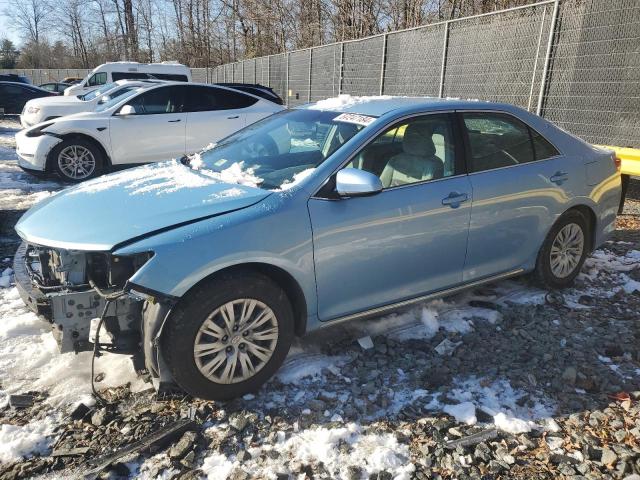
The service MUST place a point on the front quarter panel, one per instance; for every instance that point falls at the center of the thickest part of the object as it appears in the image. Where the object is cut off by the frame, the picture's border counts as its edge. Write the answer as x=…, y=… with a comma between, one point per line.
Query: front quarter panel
x=275, y=232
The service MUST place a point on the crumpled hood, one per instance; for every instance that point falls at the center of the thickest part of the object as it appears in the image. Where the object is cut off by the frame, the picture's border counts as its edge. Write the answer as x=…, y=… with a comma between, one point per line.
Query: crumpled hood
x=107, y=211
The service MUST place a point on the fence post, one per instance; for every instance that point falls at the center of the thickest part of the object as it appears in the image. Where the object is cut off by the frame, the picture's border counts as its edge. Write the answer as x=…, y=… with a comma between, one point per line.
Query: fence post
x=384, y=61
x=445, y=47
x=547, y=58
x=286, y=76
x=269, y=71
x=309, y=83
x=535, y=63
x=341, y=64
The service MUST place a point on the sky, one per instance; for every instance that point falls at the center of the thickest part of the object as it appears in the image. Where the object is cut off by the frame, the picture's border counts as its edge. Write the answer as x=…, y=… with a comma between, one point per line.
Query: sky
x=5, y=31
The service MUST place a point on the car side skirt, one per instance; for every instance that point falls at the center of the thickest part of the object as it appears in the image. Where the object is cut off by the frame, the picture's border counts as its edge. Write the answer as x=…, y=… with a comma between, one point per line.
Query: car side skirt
x=374, y=312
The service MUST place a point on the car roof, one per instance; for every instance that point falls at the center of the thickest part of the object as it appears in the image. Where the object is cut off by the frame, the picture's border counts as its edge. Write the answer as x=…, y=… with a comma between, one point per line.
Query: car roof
x=164, y=83
x=20, y=84
x=380, y=105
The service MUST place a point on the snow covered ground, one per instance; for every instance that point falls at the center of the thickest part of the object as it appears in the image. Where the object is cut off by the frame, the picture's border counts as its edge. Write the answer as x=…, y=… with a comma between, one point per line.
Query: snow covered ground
x=342, y=399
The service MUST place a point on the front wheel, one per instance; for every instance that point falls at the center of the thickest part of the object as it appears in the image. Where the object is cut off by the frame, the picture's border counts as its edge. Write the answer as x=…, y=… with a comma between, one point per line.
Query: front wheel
x=564, y=251
x=76, y=160
x=228, y=337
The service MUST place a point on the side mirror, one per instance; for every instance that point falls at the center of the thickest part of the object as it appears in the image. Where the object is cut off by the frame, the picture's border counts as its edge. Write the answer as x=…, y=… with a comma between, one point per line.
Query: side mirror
x=351, y=182
x=104, y=99
x=127, y=110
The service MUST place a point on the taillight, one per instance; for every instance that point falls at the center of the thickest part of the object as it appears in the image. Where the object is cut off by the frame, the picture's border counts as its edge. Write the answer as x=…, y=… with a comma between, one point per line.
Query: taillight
x=617, y=162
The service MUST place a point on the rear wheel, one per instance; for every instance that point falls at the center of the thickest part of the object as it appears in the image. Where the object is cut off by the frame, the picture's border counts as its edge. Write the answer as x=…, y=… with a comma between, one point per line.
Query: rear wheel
x=564, y=251
x=228, y=337
x=77, y=159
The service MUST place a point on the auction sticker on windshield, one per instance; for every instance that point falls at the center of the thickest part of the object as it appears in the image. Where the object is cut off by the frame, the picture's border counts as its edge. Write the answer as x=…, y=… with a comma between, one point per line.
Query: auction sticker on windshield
x=355, y=118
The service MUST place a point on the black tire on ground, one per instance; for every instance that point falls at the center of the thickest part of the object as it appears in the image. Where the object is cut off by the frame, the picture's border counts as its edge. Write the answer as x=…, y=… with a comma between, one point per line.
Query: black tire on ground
x=181, y=329
x=81, y=143
x=543, y=272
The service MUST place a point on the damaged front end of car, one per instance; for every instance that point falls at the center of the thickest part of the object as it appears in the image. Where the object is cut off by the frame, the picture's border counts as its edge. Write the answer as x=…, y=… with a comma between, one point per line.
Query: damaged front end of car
x=70, y=288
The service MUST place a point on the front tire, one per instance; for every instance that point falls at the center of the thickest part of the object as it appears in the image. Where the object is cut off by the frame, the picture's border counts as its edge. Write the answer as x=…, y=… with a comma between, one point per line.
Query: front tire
x=563, y=252
x=228, y=336
x=76, y=160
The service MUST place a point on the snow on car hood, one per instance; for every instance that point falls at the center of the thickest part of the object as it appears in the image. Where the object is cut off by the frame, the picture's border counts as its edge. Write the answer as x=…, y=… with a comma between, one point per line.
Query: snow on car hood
x=102, y=213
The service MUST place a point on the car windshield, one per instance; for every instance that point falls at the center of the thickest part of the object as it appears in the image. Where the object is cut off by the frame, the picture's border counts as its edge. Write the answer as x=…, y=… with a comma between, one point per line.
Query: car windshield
x=281, y=150
x=113, y=100
x=97, y=92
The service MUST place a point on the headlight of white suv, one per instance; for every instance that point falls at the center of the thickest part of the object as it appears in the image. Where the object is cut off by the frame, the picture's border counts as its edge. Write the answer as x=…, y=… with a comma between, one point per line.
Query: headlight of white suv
x=33, y=110
x=38, y=131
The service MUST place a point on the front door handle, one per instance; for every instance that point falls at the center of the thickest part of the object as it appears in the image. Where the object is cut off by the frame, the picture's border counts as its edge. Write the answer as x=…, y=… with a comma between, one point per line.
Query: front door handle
x=455, y=199
x=174, y=121
x=559, y=177
x=233, y=116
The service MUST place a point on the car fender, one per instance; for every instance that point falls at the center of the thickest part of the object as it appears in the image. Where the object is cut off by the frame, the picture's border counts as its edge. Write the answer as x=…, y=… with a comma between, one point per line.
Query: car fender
x=96, y=129
x=275, y=232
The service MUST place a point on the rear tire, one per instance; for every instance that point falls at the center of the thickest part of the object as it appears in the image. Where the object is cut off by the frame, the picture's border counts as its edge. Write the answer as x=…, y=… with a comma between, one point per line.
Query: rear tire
x=228, y=336
x=76, y=160
x=563, y=252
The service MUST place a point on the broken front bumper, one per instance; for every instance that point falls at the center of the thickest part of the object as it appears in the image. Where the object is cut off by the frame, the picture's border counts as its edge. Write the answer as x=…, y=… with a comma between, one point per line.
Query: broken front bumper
x=70, y=312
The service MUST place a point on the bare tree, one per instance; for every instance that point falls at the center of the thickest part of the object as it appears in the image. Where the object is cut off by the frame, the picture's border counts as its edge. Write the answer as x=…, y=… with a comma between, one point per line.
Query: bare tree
x=32, y=18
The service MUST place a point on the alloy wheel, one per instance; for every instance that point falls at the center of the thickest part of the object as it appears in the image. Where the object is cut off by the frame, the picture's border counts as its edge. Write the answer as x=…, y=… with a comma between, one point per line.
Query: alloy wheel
x=566, y=250
x=76, y=162
x=236, y=341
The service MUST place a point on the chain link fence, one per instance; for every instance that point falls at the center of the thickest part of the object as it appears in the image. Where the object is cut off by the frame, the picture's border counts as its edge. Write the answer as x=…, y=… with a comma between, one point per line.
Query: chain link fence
x=575, y=62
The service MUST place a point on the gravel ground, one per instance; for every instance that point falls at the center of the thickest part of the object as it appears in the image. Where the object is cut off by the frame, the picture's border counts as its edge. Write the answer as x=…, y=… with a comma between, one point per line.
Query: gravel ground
x=506, y=381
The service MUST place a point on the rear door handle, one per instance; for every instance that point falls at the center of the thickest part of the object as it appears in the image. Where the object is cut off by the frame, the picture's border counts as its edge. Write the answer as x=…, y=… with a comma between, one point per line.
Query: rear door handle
x=233, y=116
x=559, y=177
x=455, y=199
x=174, y=121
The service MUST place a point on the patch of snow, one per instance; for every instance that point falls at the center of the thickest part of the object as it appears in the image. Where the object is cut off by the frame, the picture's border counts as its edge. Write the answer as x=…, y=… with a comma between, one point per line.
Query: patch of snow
x=296, y=367
x=297, y=178
x=511, y=424
x=6, y=278
x=228, y=193
x=630, y=285
x=371, y=452
x=500, y=400
x=464, y=412
x=345, y=101
x=18, y=442
x=604, y=260
x=167, y=177
x=218, y=467
x=29, y=359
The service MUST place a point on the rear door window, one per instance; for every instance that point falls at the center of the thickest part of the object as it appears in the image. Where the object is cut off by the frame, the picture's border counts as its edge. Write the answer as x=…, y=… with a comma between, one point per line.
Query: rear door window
x=542, y=147
x=206, y=99
x=497, y=140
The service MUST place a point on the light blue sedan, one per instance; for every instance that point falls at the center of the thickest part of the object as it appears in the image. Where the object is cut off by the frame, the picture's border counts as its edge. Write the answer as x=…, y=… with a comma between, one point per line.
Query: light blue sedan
x=206, y=268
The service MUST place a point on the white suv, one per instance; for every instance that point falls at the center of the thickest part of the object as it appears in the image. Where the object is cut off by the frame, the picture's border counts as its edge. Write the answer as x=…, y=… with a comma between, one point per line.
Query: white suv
x=47, y=108
x=146, y=124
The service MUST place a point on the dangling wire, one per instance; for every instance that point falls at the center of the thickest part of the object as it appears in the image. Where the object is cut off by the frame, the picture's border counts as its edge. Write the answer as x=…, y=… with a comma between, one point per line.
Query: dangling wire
x=109, y=298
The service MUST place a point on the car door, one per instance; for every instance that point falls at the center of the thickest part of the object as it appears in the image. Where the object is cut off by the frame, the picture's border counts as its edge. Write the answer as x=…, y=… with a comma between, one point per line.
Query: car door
x=155, y=132
x=409, y=239
x=213, y=113
x=520, y=183
x=13, y=97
